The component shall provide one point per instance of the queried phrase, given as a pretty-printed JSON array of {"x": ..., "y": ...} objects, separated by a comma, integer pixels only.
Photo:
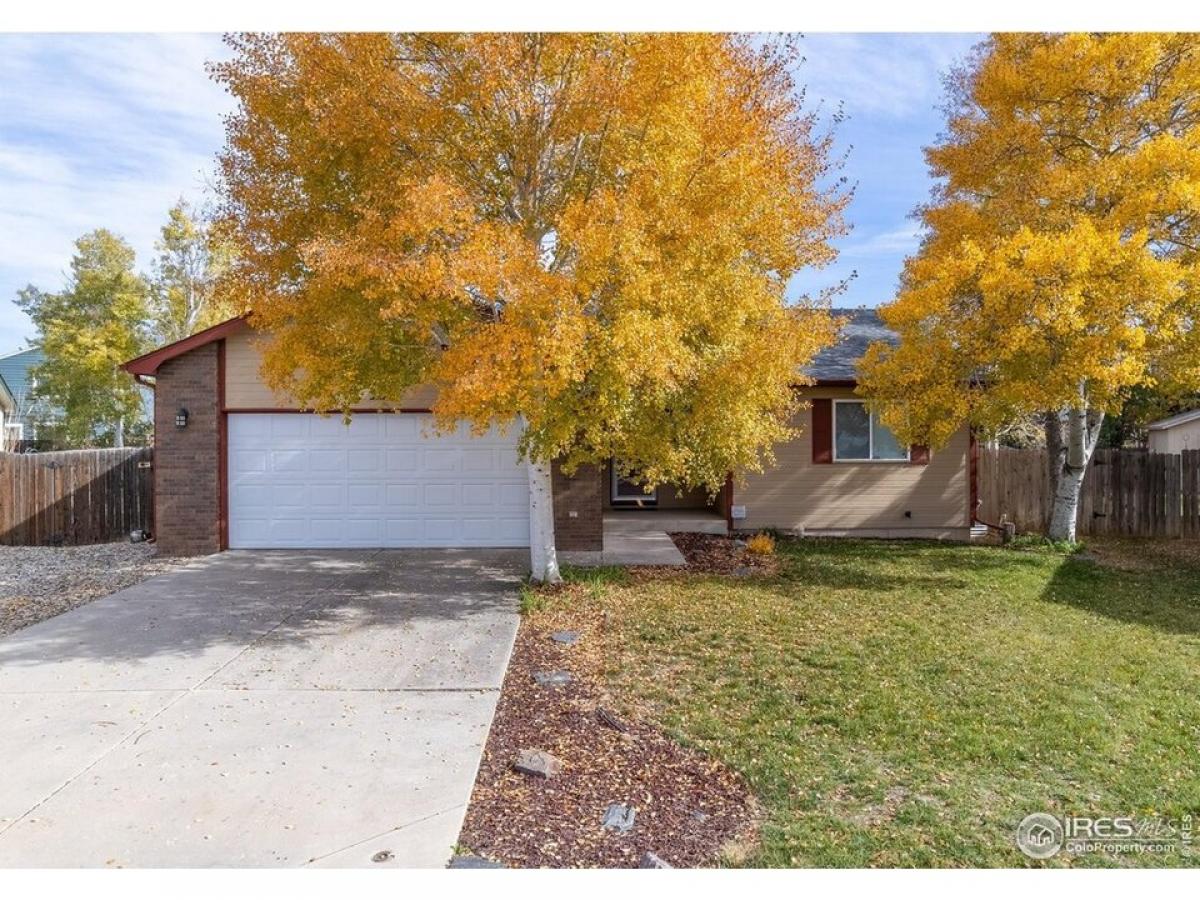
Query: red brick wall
[
  {"x": 187, "y": 461},
  {"x": 579, "y": 508}
]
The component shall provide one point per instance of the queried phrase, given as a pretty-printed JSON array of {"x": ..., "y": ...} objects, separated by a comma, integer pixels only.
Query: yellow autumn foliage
[
  {"x": 1060, "y": 266},
  {"x": 590, "y": 233}
]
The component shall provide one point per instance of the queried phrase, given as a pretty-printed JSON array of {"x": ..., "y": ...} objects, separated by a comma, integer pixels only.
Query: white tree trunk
[
  {"x": 543, "y": 557},
  {"x": 119, "y": 433},
  {"x": 1067, "y": 471}
]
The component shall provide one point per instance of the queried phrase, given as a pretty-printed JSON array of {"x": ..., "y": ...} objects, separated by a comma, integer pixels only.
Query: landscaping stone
[
  {"x": 556, "y": 678},
  {"x": 619, "y": 817},
  {"x": 565, "y": 637},
  {"x": 470, "y": 861},
  {"x": 538, "y": 762},
  {"x": 653, "y": 861}
]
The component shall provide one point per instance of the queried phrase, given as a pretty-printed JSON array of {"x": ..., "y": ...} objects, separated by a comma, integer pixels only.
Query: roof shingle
[{"x": 839, "y": 362}]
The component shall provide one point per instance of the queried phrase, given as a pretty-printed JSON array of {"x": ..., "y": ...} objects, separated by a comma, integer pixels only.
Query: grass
[{"x": 906, "y": 704}]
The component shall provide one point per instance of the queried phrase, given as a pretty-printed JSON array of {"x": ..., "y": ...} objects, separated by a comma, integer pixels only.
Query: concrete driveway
[{"x": 258, "y": 709}]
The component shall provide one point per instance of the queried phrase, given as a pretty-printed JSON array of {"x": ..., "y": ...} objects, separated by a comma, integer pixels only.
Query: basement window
[{"x": 859, "y": 437}]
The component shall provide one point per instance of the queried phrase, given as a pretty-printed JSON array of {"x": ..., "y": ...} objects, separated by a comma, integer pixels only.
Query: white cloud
[
  {"x": 897, "y": 241},
  {"x": 98, "y": 131},
  {"x": 882, "y": 76}
]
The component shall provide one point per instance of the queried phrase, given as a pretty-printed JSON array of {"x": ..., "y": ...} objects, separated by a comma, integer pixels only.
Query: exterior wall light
[{"x": 181, "y": 418}]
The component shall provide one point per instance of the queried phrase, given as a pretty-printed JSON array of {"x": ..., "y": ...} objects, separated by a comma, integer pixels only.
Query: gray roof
[
  {"x": 1178, "y": 419},
  {"x": 839, "y": 362}
]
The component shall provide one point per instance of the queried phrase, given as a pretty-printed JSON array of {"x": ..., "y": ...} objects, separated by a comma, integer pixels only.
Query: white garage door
[{"x": 299, "y": 480}]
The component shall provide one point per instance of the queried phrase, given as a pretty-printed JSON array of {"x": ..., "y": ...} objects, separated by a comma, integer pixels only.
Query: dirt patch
[
  {"x": 37, "y": 583},
  {"x": 690, "y": 810},
  {"x": 720, "y": 555},
  {"x": 1143, "y": 554}
]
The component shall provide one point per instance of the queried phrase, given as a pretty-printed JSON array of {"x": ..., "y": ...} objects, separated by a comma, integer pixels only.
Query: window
[
  {"x": 632, "y": 490},
  {"x": 857, "y": 435}
]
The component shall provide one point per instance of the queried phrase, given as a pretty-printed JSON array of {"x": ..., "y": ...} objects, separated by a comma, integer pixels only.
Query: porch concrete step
[
  {"x": 641, "y": 521},
  {"x": 640, "y": 548}
]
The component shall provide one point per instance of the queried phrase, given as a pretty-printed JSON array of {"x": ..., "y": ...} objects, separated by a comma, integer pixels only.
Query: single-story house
[
  {"x": 1175, "y": 433},
  {"x": 10, "y": 432},
  {"x": 26, "y": 415},
  {"x": 238, "y": 467}
]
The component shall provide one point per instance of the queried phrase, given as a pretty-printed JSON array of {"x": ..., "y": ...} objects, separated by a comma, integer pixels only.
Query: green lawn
[{"x": 907, "y": 704}]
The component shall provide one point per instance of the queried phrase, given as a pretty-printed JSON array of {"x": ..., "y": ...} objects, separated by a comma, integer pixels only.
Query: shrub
[{"x": 761, "y": 545}]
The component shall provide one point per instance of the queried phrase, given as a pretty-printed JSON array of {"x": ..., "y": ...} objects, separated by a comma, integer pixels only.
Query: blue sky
[{"x": 109, "y": 130}]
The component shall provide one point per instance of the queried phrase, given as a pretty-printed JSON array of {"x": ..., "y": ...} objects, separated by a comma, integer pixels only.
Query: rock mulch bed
[
  {"x": 720, "y": 555},
  {"x": 681, "y": 807},
  {"x": 37, "y": 583}
]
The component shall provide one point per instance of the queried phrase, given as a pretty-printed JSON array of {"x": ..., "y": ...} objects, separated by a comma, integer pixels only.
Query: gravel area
[{"x": 38, "y": 583}]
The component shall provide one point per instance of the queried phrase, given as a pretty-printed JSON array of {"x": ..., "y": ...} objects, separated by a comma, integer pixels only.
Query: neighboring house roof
[
  {"x": 1179, "y": 419},
  {"x": 14, "y": 369},
  {"x": 839, "y": 362}
]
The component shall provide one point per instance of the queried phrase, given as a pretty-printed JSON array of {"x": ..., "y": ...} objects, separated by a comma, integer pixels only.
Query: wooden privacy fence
[
  {"x": 1129, "y": 492},
  {"x": 75, "y": 496}
]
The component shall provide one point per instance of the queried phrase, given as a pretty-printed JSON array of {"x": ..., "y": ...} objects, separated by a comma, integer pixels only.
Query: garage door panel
[
  {"x": 439, "y": 532},
  {"x": 403, "y": 496},
  {"x": 513, "y": 495},
  {"x": 440, "y": 459},
  {"x": 440, "y": 495},
  {"x": 363, "y": 496},
  {"x": 476, "y": 494},
  {"x": 247, "y": 461},
  {"x": 401, "y": 460},
  {"x": 361, "y": 461},
  {"x": 402, "y": 428},
  {"x": 326, "y": 530},
  {"x": 326, "y": 460},
  {"x": 290, "y": 495},
  {"x": 512, "y": 530},
  {"x": 402, "y": 532},
  {"x": 289, "y": 426},
  {"x": 288, "y": 461},
  {"x": 327, "y": 498},
  {"x": 290, "y": 531},
  {"x": 297, "y": 480}
]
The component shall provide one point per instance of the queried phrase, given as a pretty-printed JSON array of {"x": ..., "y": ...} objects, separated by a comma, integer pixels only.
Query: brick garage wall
[
  {"x": 579, "y": 508},
  {"x": 187, "y": 463}
]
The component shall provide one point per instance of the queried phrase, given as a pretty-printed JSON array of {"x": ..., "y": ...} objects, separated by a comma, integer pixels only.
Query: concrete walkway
[
  {"x": 642, "y": 537},
  {"x": 281, "y": 708}
]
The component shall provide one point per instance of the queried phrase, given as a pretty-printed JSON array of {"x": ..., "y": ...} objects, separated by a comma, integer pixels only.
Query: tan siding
[
  {"x": 244, "y": 387},
  {"x": 841, "y": 498},
  {"x": 1176, "y": 439}
]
